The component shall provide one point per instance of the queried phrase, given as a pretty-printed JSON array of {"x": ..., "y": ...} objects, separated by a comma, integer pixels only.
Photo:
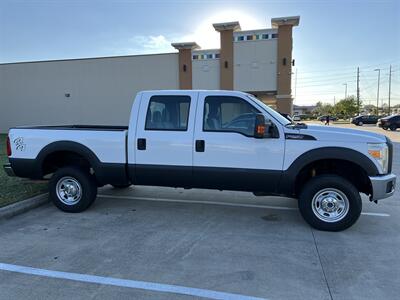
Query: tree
[
  {"x": 346, "y": 107},
  {"x": 323, "y": 108},
  {"x": 369, "y": 108}
]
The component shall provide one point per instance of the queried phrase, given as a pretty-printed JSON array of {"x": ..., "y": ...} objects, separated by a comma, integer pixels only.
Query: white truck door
[
  {"x": 164, "y": 138},
  {"x": 226, "y": 154}
]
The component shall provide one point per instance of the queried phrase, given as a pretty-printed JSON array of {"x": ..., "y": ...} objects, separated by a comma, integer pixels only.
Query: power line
[{"x": 353, "y": 67}]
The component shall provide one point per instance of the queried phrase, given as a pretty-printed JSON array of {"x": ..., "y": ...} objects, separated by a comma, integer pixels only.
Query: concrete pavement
[{"x": 246, "y": 246}]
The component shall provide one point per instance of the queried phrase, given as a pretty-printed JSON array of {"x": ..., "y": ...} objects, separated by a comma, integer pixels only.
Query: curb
[{"x": 14, "y": 209}]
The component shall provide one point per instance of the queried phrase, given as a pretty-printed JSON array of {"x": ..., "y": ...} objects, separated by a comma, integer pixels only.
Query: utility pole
[
  {"x": 358, "y": 90},
  {"x": 295, "y": 84},
  {"x": 377, "y": 94},
  {"x": 345, "y": 90},
  {"x": 334, "y": 100},
  {"x": 390, "y": 84}
]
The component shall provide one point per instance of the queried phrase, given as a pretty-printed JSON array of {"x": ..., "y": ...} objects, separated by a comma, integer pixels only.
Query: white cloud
[{"x": 203, "y": 34}]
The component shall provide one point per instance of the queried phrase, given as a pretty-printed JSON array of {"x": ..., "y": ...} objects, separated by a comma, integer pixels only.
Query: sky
[{"x": 332, "y": 40}]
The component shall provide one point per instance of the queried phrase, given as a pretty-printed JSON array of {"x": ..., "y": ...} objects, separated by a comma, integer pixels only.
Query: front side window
[
  {"x": 168, "y": 113},
  {"x": 230, "y": 114}
]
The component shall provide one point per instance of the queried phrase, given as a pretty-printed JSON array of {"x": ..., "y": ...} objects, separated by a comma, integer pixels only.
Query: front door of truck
[
  {"x": 226, "y": 155},
  {"x": 164, "y": 139}
]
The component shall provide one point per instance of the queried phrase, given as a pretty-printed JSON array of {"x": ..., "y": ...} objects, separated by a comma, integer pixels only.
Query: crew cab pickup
[{"x": 225, "y": 140}]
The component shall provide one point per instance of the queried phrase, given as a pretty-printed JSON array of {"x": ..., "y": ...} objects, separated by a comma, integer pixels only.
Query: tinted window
[
  {"x": 168, "y": 113},
  {"x": 232, "y": 114}
]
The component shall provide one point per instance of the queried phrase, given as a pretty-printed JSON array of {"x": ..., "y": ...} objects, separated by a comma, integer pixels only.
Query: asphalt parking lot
[
  {"x": 393, "y": 135},
  {"x": 161, "y": 243}
]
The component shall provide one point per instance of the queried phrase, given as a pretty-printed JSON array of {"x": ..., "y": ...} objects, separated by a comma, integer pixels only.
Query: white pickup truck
[{"x": 225, "y": 140}]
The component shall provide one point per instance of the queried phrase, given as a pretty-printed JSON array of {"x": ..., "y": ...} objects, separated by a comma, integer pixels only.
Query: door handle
[
  {"x": 200, "y": 145},
  {"x": 141, "y": 144}
]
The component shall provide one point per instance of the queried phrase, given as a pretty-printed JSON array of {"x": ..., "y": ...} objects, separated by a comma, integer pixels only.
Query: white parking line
[
  {"x": 222, "y": 203},
  {"x": 375, "y": 214},
  {"x": 143, "y": 285}
]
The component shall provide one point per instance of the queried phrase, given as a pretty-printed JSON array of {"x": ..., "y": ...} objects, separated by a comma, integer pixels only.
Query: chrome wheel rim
[
  {"x": 330, "y": 205},
  {"x": 69, "y": 190}
]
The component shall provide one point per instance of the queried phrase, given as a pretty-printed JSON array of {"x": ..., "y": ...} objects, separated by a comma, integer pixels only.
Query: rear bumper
[
  {"x": 9, "y": 171},
  {"x": 382, "y": 186}
]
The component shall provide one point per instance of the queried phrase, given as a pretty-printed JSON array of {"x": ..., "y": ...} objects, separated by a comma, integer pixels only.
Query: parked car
[
  {"x": 224, "y": 140},
  {"x": 296, "y": 118},
  {"x": 323, "y": 118},
  {"x": 361, "y": 120},
  {"x": 391, "y": 122}
]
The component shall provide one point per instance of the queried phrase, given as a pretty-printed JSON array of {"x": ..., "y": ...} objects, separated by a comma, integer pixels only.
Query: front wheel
[
  {"x": 72, "y": 189},
  {"x": 330, "y": 203},
  {"x": 360, "y": 123},
  {"x": 393, "y": 127}
]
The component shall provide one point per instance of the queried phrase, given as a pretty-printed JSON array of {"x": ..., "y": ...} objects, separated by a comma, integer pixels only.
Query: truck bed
[{"x": 76, "y": 127}]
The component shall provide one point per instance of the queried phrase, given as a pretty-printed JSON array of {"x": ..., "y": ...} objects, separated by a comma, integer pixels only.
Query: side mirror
[{"x": 259, "y": 128}]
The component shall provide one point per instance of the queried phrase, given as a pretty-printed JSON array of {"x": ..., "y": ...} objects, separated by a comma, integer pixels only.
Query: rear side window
[
  {"x": 168, "y": 113},
  {"x": 230, "y": 114}
]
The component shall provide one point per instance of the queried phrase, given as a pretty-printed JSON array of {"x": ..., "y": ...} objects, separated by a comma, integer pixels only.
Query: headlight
[{"x": 380, "y": 153}]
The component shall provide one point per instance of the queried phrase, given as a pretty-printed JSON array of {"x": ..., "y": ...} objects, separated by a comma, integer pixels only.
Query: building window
[
  {"x": 264, "y": 36},
  {"x": 240, "y": 38},
  {"x": 274, "y": 35},
  {"x": 195, "y": 56},
  {"x": 249, "y": 37},
  {"x": 217, "y": 55},
  {"x": 209, "y": 56},
  {"x": 168, "y": 113}
]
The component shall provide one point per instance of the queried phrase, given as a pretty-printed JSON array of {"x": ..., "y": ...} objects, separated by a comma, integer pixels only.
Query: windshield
[{"x": 277, "y": 116}]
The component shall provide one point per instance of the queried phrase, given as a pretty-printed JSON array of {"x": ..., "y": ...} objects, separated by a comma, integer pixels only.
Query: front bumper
[
  {"x": 382, "y": 186},
  {"x": 9, "y": 171}
]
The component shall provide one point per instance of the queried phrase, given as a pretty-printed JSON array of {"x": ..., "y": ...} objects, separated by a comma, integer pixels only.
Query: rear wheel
[
  {"x": 360, "y": 123},
  {"x": 330, "y": 203},
  {"x": 393, "y": 127},
  {"x": 72, "y": 189}
]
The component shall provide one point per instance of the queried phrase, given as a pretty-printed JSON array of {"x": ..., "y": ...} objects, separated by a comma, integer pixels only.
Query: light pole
[
  {"x": 345, "y": 90},
  {"x": 377, "y": 94}
]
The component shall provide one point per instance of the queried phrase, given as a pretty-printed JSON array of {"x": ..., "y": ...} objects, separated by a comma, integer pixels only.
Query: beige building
[{"x": 101, "y": 90}]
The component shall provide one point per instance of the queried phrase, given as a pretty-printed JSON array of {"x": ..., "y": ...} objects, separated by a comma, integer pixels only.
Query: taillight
[{"x": 8, "y": 147}]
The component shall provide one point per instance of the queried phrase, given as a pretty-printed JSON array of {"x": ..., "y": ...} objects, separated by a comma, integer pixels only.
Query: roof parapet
[
  {"x": 294, "y": 21},
  {"x": 235, "y": 26},
  {"x": 185, "y": 45}
]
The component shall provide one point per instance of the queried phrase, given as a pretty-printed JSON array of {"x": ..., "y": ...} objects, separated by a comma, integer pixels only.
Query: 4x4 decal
[{"x": 19, "y": 144}]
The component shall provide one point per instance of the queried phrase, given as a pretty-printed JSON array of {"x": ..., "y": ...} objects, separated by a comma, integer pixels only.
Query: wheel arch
[
  {"x": 63, "y": 148},
  {"x": 343, "y": 160}
]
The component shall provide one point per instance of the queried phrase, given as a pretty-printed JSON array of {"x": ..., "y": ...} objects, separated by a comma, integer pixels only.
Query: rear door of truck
[{"x": 164, "y": 138}]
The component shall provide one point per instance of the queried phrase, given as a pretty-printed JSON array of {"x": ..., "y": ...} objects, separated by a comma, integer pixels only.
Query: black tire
[
  {"x": 393, "y": 127},
  {"x": 336, "y": 183},
  {"x": 88, "y": 189},
  {"x": 120, "y": 186},
  {"x": 360, "y": 123},
  {"x": 384, "y": 128}
]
